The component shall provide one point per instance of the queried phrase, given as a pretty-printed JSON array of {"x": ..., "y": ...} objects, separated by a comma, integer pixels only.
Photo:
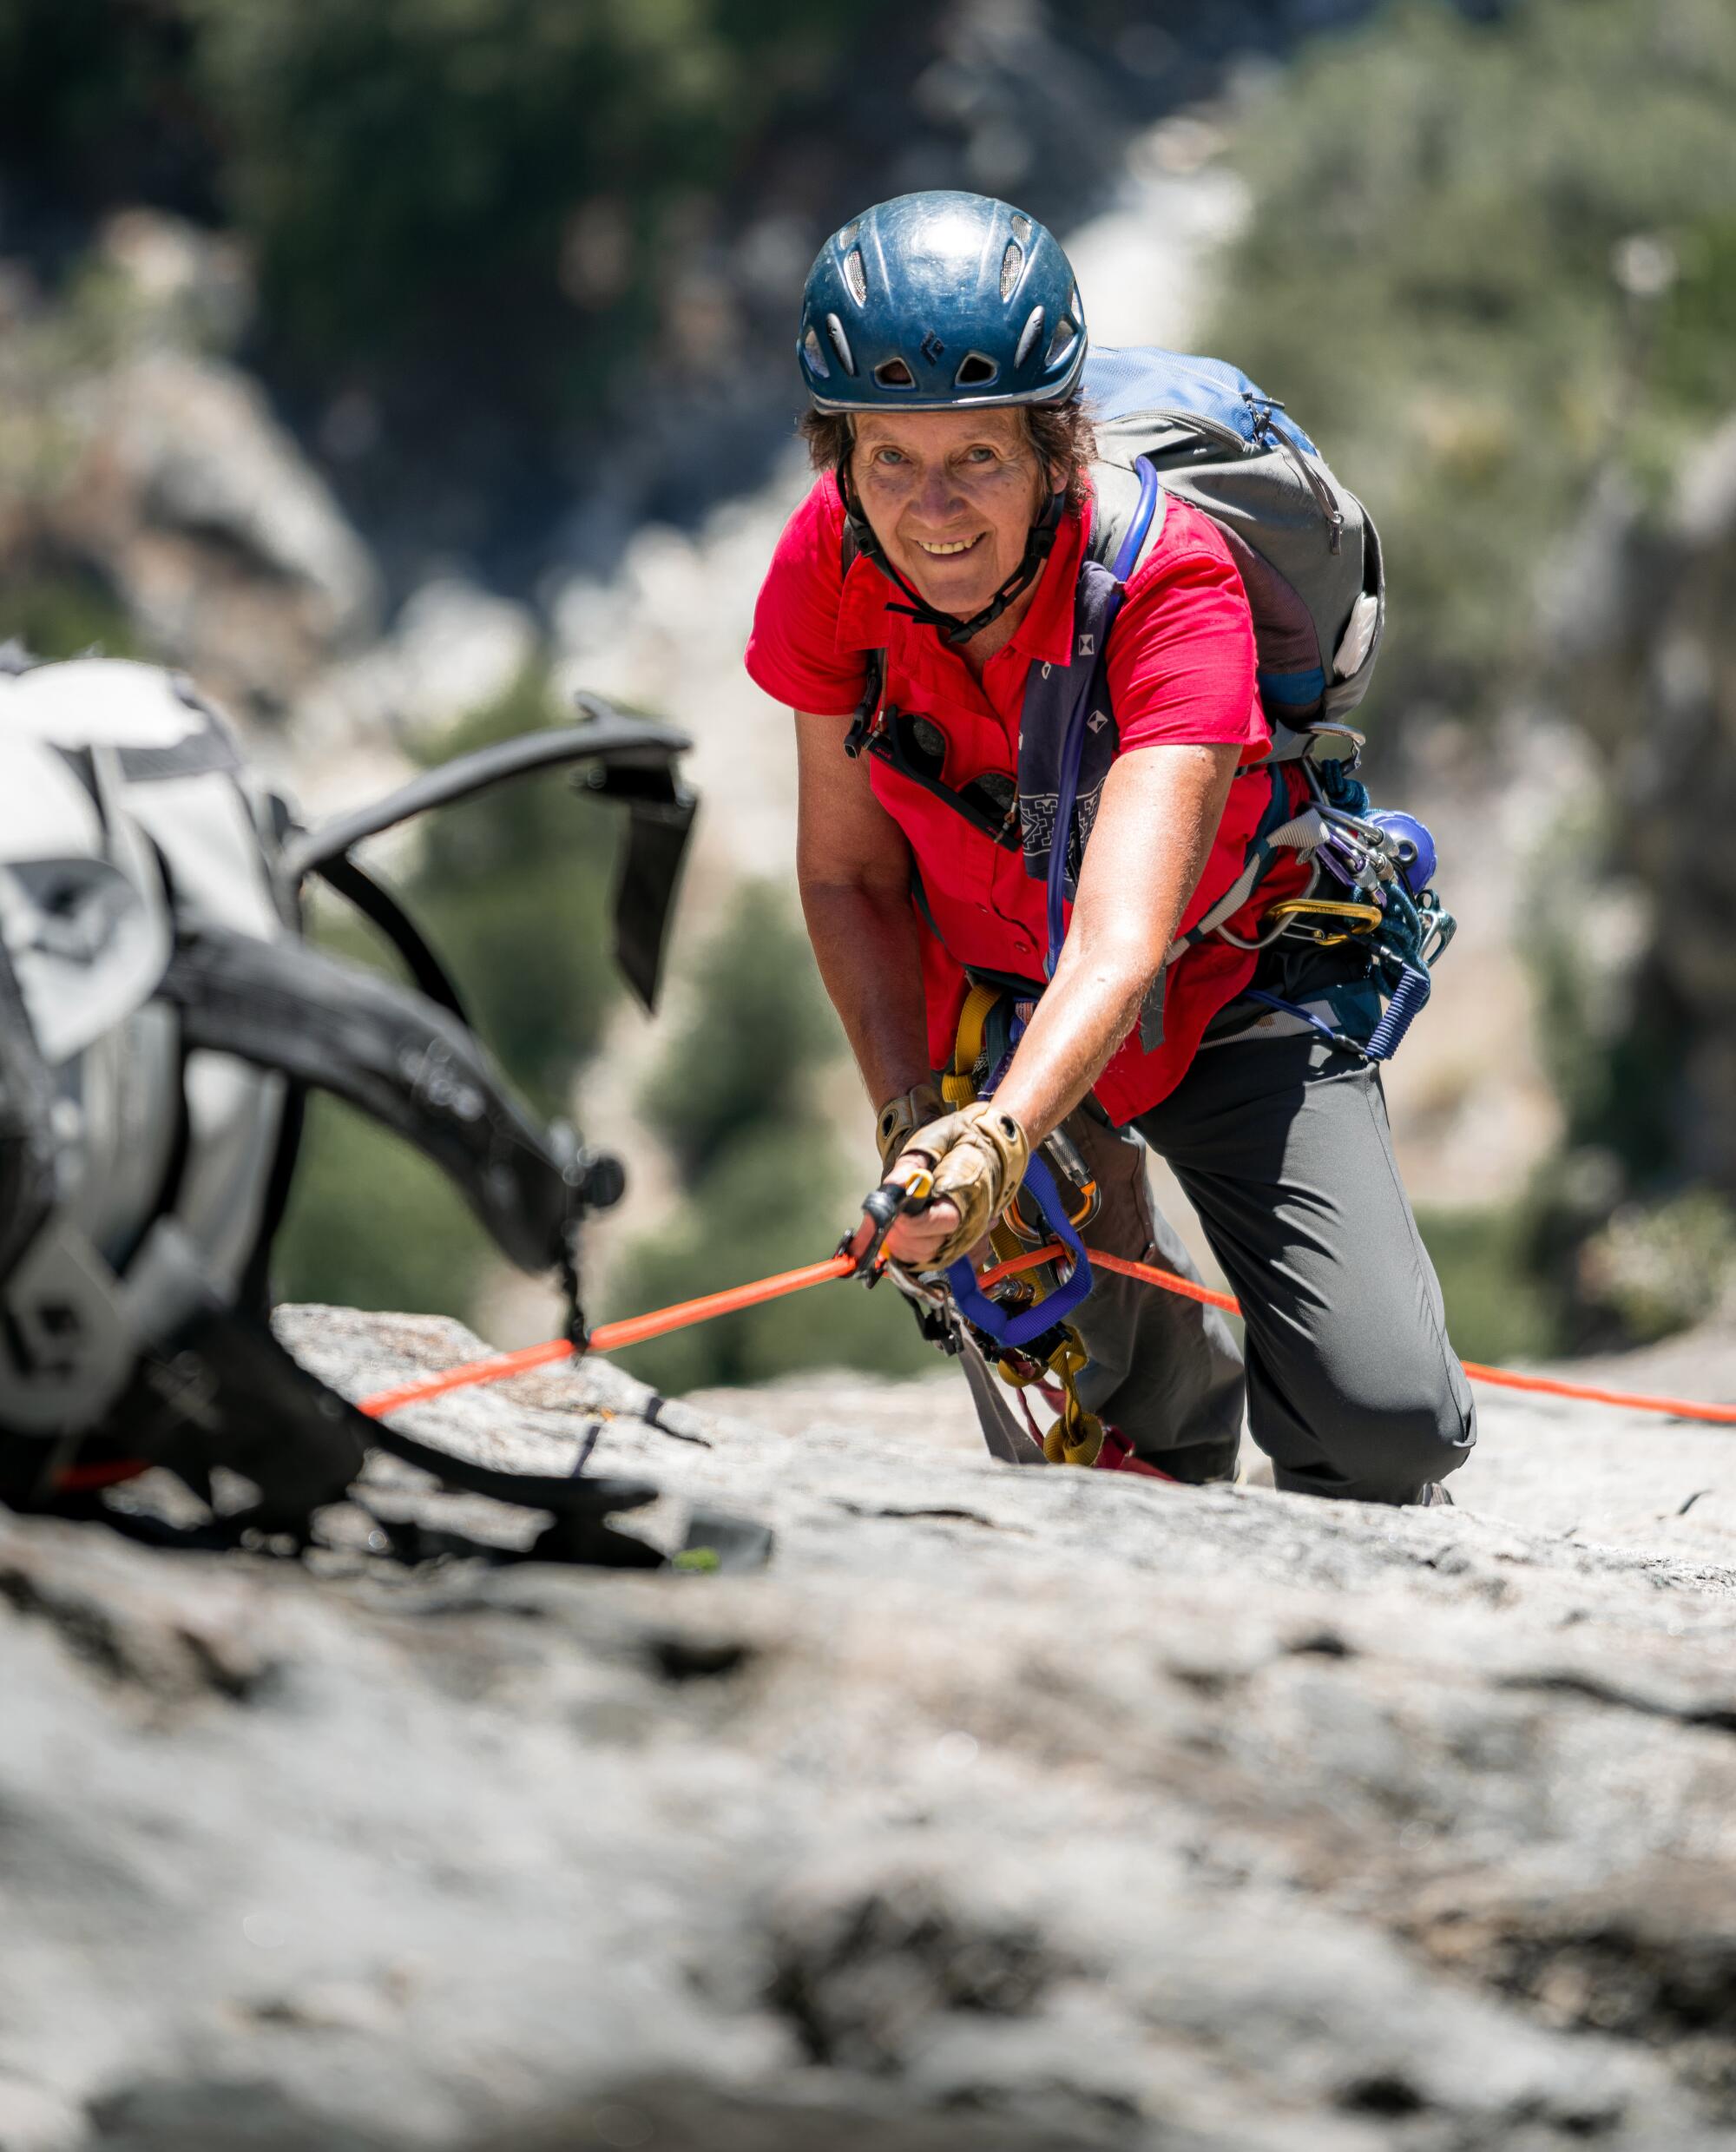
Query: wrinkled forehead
[{"x": 941, "y": 432}]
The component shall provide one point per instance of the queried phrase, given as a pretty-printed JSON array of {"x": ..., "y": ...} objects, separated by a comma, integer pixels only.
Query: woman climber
[{"x": 1039, "y": 791}]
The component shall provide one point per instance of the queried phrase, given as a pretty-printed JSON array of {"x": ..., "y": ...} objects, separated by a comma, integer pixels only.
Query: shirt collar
[{"x": 1044, "y": 635}]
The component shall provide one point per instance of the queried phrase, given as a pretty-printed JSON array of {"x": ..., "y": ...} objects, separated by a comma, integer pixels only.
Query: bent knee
[
  {"x": 1401, "y": 1444},
  {"x": 1385, "y": 1439}
]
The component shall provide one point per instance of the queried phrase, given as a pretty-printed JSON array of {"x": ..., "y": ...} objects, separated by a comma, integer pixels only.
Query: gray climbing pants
[{"x": 1282, "y": 1146}]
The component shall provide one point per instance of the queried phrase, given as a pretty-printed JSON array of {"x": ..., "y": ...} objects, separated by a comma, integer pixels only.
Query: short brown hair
[{"x": 1061, "y": 434}]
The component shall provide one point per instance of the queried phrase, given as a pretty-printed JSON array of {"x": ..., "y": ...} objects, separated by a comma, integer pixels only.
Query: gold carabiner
[{"x": 1357, "y": 919}]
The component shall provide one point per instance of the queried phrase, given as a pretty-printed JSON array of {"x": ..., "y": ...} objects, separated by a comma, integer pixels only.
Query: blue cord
[{"x": 1290, "y": 1008}]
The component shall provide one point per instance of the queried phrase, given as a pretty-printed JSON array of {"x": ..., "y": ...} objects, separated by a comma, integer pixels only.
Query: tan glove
[
  {"x": 979, "y": 1156},
  {"x": 900, "y": 1117}
]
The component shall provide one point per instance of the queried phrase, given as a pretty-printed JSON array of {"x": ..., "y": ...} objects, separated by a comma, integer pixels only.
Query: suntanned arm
[
  {"x": 853, "y": 871},
  {"x": 1161, "y": 810}
]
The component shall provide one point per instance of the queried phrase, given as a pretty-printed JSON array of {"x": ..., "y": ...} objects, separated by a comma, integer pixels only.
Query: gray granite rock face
[{"x": 1005, "y": 1811}]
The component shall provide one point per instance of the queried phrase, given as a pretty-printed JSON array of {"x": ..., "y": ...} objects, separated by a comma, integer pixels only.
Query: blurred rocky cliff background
[{"x": 394, "y": 368}]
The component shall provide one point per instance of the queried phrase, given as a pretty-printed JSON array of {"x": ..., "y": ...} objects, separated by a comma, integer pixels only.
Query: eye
[
  {"x": 889, "y": 456},
  {"x": 980, "y": 455}
]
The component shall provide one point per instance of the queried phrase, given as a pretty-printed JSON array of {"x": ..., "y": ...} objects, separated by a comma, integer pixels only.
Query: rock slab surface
[{"x": 1006, "y": 1809}]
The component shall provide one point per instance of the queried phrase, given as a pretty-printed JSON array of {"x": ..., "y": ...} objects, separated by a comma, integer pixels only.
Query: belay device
[{"x": 161, "y": 1019}]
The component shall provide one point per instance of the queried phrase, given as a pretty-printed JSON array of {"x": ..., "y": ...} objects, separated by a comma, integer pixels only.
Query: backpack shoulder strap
[
  {"x": 391, "y": 1052},
  {"x": 382, "y": 910},
  {"x": 864, "y": 724}
]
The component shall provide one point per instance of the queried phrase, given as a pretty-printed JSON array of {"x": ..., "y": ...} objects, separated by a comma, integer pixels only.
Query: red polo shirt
[{"x": 1181, "y": 669}]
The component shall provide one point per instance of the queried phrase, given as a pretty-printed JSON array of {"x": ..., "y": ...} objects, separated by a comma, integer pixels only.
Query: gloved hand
[
  {"x": 900, "y": 1117},
  {"x": 979, "y": 1155}
]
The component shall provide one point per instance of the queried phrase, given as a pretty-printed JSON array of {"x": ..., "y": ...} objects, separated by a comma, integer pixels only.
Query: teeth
[{"x": 960, "y": 545}]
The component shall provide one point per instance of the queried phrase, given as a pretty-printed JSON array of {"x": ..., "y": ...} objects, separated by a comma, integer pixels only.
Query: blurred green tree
[
  {"x": 1484, "y": 261},
  {"x": 64, "y": 613},
  {"x": 490, "y": 184},
  {"x": 1492, "y": 265},
  {"x": 99, "y": 104},
  {"x": 474, "y": 221},
  {"x": 769, "y": 1185}
]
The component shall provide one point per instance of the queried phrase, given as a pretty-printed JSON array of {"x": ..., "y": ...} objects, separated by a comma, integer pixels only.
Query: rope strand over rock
[{"x": 658, "y": 1322}]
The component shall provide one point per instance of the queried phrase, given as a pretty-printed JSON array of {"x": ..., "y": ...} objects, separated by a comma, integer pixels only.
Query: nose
[{"x": 937, "y": 495}]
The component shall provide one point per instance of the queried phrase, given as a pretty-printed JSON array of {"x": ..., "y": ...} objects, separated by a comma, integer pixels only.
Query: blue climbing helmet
[
  {"x": 939, "y": 300},
  {"x": 936, "y": 302}
]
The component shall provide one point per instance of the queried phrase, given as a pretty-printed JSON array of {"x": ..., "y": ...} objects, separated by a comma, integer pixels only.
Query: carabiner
[{"x": 1077, "y": 1186}]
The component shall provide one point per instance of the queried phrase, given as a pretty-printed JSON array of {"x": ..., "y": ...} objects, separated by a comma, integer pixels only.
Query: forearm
[
  {"x": 865, "y": 942},
  {"x": 1161, "y": 810},
  {"x": 1092, "y": 1004}
]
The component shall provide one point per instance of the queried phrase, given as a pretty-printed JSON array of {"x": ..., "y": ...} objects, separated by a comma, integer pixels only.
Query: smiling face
[{"x": 952, "y": 496}]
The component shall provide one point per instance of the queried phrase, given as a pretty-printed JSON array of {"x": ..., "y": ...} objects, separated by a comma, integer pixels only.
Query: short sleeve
[
  {"x": 1181, "y": 655},
  {"x": 792, "y": 653}
]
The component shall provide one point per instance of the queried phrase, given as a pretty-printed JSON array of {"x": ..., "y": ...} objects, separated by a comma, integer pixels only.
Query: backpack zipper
[
  {"x": 1324, "y": 497},
  {"x": 1265, "y": 433},
  {"x": 1197, "y": 421}
]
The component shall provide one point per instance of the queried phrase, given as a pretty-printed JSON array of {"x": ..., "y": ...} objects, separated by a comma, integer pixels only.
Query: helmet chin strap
[{"x": 954, "y": 632}]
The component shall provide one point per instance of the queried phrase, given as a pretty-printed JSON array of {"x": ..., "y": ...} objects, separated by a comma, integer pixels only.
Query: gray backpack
[
  {"x": 162, "y": 1018},
  {"x": 1306, "y": 549}
]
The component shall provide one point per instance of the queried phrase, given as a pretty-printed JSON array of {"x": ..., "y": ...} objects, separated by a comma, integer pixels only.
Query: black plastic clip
[{"x": 886, "y": 1205}]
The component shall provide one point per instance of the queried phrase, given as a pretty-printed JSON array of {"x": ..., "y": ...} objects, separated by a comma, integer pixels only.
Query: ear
[{"x": 1052, "y": 486}]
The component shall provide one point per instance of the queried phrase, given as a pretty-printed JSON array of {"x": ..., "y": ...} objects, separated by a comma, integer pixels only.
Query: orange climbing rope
[
  {"x": 1586, "y": 1394},
  {"x": 608, "y": 1337},
  {"x": 1167, "y": 1278},
  {"x": 636, "y": 1329},
  {"x": 1502, "y": 1377}
]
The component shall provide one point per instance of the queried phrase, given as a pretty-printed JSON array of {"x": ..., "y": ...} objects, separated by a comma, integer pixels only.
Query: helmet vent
[
  {"x": 1022, "y": 227},
  {"x": 1011, "y": 262},
  {"x": 1027, "y": 337},
  {"x": 974, "y": 372},
  {"x": 893, "y": 373},
  {"x": 840, "y": 343},
  {"x": 856, "y": 276},
  {"x": 1062, "y": 341},
  {"x": 815, "y": 356}
]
